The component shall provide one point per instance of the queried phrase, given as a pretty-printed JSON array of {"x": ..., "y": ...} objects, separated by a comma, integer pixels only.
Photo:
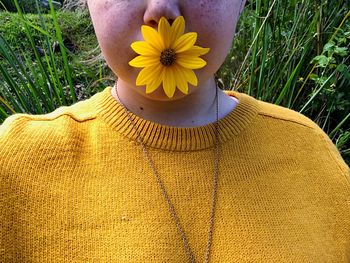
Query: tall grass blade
[{"x": 63, "y": 52}]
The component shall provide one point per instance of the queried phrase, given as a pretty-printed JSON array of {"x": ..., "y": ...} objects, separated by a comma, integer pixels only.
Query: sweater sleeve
[
  {"x": 9, "y": 126},
  {"x": 335, "y": 154},
  {"x": 11, "y": 132},
  {"x": 10, "y": 135},
  {"x": 5, "y": 216}
]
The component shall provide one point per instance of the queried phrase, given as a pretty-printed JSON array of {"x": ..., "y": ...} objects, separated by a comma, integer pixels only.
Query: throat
[
  {"x": 196, "y": 109},
  {"x": 184, "y": 117}
]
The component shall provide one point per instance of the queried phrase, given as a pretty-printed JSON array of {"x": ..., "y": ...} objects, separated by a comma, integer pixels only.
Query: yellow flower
[{"x": 167, "y": 57}]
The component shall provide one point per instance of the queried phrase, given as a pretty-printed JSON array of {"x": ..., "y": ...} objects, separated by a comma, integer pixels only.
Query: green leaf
[
  {"x": 341, "y": 51},
  {"x": 313, "y": 76},
  {"x": 329, "y": 47},
  {"x": 342, "y": 40},
  {"x": 342, "y": 68},
  {"x": 320, "y": 61}
]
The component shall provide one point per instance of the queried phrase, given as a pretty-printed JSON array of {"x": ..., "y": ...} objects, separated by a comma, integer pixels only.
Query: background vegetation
[{"x": 290, "y": 53}]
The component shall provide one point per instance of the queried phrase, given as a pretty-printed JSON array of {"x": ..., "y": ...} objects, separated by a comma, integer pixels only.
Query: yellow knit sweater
[{"x": 76, "y": 187}]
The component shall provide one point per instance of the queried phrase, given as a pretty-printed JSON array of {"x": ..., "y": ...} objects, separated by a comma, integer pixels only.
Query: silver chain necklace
[{"x": 171, "y": 207}]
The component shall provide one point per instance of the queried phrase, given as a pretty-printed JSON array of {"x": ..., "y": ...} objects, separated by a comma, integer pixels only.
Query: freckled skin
[{"x": 118, "y": 23}]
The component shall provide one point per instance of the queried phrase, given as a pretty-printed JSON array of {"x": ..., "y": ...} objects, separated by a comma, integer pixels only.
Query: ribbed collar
[{"x": 176, "y": 138}]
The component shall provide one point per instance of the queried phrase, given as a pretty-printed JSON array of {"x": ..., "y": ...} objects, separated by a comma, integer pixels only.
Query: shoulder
[
  {"x": 295, "y": 123},
  {"x": 279, "y": 113},
  {"x": 271, "y": 112},
  {"x": 289, "y": 137},
  {"x": 23, "y": 135},
  {"x": 22, "y": 123}
]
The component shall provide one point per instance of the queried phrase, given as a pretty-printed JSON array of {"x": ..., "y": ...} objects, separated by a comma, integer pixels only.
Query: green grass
[{"x": 38, "y": 72}]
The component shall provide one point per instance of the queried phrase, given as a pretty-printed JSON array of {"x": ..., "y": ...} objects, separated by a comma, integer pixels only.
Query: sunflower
[{"x": 168, "y": 57}]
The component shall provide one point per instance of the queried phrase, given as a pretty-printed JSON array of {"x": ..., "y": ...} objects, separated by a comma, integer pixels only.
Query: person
[{"x": 201, "y": 175}]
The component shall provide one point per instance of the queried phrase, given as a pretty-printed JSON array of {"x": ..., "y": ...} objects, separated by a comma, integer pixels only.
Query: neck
[{"x": 196, "y": 109}]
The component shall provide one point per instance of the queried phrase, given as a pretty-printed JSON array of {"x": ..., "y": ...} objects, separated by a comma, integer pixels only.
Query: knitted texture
[{"x": 75, "y": 186}]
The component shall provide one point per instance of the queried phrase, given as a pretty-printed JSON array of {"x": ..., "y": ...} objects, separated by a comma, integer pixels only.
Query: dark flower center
[{"x": 168, "y": 57}]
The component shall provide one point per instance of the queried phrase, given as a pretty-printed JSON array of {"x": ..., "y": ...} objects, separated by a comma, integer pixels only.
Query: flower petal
[
  {"x": 152, "y": 37},
  {"x": 164, "y": 31},
  {"x": 142, "y": 61},
  {"x": 148, "y": 74},
  {"x": 185, "y": 42},
  {"x": 143, "y": 48},
  {"x": 180, "y": 78},
  {"x": 177, "y": 29},
  {"x": 156, "y": 82},
  {"x": 196, "y": 51},
  {"x": 190, "y": 76},
  {"x": 190, "y": 62},
  {"x": 169, "y": 83}
]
